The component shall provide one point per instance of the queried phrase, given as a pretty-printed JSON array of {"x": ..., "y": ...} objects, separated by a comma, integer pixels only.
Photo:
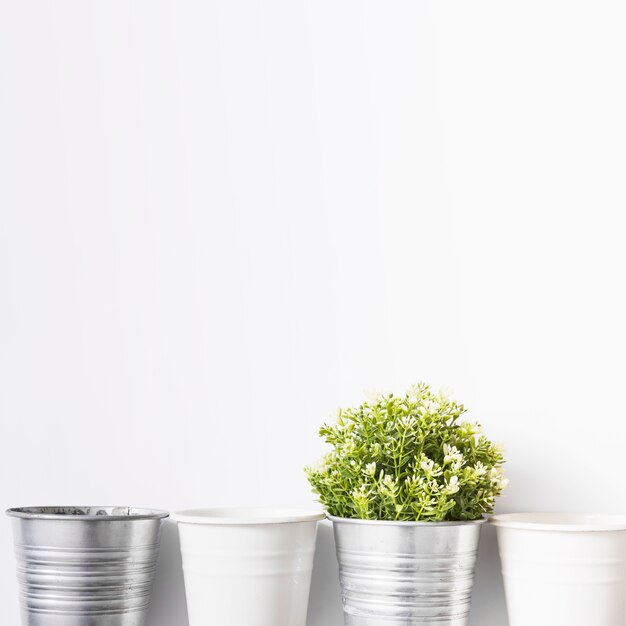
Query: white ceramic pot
[
  {"x": 563, "y": 569},
  {"x": 247, "y": 566}
]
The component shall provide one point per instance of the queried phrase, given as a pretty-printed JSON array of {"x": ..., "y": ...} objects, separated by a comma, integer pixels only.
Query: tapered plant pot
[
  {"x": 247, "y": 566},
  {"x": 85, "y": 566},
  {"x": 563, "y": 569},
  {"x": 406, "y": 573}
]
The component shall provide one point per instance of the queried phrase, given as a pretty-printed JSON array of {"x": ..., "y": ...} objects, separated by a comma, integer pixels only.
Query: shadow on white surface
[
  {"x": 325, "y": 601},
  {"x": 169, "y": 606},
  {"x": 488, "y": 605}
]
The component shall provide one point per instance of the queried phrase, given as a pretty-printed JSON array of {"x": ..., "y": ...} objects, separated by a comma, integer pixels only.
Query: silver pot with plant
[{"x": 407, "y": 484}]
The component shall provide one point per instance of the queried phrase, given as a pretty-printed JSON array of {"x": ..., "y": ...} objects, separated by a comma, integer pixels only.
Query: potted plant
[{"x": 406, "y": 485}]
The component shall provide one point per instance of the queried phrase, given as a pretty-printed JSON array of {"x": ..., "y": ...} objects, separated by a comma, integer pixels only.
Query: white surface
[
  {"x": 221, "y": 220},
  {"x": 245, "y": 515},
  {"x": 560, "y": 522},
  {"x": 571, "y": 577},
  {"x": 252, "y": 574}
]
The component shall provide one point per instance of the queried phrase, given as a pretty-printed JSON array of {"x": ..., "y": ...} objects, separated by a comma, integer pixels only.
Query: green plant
[{"x": 408, "y": 458}]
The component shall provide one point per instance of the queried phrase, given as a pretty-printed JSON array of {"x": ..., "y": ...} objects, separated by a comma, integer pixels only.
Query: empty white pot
[
  {"x": 247, "y": 566},
  {"x": 563, "y": 569}
]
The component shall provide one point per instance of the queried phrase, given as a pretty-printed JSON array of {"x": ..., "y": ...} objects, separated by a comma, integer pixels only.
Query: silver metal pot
[
  {"x": 406, "y": 573},
  {"x": 85, "y": 566}
]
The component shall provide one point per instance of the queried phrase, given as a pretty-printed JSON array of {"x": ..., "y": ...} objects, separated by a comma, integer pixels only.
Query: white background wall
[{"x": 221, "y": 220}]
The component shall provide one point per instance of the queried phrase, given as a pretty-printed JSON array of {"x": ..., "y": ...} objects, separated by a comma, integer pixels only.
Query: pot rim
[
  {"x": 385, "y": 522},
  {"x": 245, "y": 515},
  {"x": 104, "y": 513},
  {"x": 559, "y": 522}
]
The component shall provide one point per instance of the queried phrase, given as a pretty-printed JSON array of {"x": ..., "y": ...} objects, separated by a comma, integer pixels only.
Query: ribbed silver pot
[
  {"x": 85, "y": 566},
  {"x": 406, "y": 573}
]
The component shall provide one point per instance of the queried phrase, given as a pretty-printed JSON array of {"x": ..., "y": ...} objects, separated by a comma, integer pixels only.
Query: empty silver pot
[
  {"x": 406, "y": 573},
  {"x": 85, "y": 566}
]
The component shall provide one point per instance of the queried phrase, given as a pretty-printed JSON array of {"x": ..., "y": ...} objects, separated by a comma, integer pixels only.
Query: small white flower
[
  {"x": 373, "y": 396},
  {"x": 320, "y": 464},
  {"x": 452, "y": 486},
  {"x": 434, "y": 486},
  {"x": 361, "y": 497},
  {"x": 498, "y": 478},
  {"x": 370, "y": 469},
  {"x": 430, "y": 469},
  {"x": 452, "y": 455},
  {"x": 427, "y": 465},
  {"x": 349, "y": 447},
  {"x": 447, "y": 393},
  {"x": 471, "y": 428},
  {"x": 388, "y": 486},
  {"x": 480, "y": 469},
  {"x": 495, "y": 473},
  {"x": 389, "y": 481},
  {"x": 431, "y": 407},
  {"x": 413, "y": 393},
  {"x": 407, "y": 421}
]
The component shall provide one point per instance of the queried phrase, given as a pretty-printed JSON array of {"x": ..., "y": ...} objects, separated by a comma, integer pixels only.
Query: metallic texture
[
  {"x": 85, "y": 566},
  {"x": 406, "y": 573}
]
